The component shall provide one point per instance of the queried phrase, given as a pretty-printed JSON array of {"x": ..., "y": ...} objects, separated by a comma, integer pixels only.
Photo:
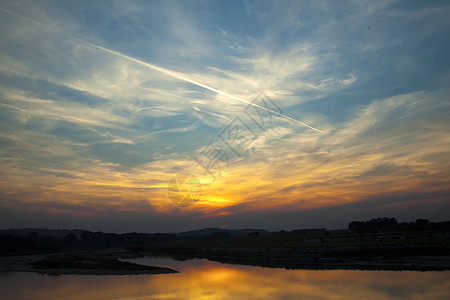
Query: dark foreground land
[
  {"x": 86, "y": 263},
  {"x": 377, "y": 244},
  {"x": 426, "y": 251}
]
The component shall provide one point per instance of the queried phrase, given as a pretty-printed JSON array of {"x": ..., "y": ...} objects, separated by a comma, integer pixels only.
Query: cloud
[
  {"x": 355, "y": 159},
  {"x": 87, "y": 122}
]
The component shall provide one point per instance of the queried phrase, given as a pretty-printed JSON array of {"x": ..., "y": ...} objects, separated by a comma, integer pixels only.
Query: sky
[{"x": 168, "y": 116}]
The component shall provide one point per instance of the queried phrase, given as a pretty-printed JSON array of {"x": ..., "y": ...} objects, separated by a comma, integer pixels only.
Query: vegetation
[
  {"x": 32, "y": 242},
  {"x": 377, "y": 239},
  {"x": 391, "y": 224},
  {"x": 80, "y": 261}
]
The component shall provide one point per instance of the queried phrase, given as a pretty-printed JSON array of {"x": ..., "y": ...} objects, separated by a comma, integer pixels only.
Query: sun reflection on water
[{"x": 202, "y": 279}]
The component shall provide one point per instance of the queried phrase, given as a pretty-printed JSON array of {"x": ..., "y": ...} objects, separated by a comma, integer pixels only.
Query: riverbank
[
  {"x": 412, "y": 251},
  {"x": 77, "y": 264},
  {"x": 411, "y": 263},
  {"x": 429, "y": 251}
]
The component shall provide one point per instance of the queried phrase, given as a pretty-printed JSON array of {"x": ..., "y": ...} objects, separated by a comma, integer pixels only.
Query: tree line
[
  {"x": 391, "y": 225},
  {"x": 32, "y": 242}
]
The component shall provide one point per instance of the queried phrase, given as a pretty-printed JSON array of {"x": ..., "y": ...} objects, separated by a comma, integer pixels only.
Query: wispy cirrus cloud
[{"x": 90, "y": 127}]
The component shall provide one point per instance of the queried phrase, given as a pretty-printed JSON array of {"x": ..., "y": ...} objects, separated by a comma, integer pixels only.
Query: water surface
[{"x": 202, "y": 279}]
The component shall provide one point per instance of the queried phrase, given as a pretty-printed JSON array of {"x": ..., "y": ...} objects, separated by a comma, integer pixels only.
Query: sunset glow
[{"x": 102, "y": 103}]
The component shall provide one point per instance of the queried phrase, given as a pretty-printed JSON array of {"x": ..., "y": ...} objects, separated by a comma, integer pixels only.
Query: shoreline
[
  {"x": 413, "y": 263},
  {"x": 422, "y": 263},
  {"x": 20, "y": 263}
]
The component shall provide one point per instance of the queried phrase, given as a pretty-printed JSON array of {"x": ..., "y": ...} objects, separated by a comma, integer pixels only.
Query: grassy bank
[
  {"x": 83, "y": 263},
  {"x": 389, "y": 251}
]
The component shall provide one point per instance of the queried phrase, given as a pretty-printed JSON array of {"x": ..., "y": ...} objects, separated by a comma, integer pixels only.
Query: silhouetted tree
[
  {"x": 374, "y": 225},
  {"x": 422, "y": 224},
  {"x": 70, "y": 239}
]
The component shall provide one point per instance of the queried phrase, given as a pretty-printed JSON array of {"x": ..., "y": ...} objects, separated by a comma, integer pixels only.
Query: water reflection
[{"x": 201, "y": 279}]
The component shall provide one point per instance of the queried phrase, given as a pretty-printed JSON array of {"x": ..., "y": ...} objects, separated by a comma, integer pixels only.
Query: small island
[
  {"x": 92, "y": 265},
  {"x": 98, "y": 262}
]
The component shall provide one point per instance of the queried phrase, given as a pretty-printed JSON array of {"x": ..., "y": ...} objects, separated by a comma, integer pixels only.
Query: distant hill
[
  {"x": 63, "y": 232},
  {"x": 42, "y": 232},
  {"x": 232, "y": 232}
]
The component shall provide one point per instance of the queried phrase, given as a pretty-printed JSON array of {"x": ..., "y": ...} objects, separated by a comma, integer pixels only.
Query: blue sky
[{"x": 90, "y": 135}]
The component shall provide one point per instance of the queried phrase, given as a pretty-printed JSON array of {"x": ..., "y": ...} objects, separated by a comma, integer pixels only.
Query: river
[{"x": 203, "y": 279}]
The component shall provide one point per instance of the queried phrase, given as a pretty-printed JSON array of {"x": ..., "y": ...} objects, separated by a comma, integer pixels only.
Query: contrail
[
  {"x": 169, "y": 72},
  {"x": 211, "y": 113},
  {"x": 194, "y": 82}
]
